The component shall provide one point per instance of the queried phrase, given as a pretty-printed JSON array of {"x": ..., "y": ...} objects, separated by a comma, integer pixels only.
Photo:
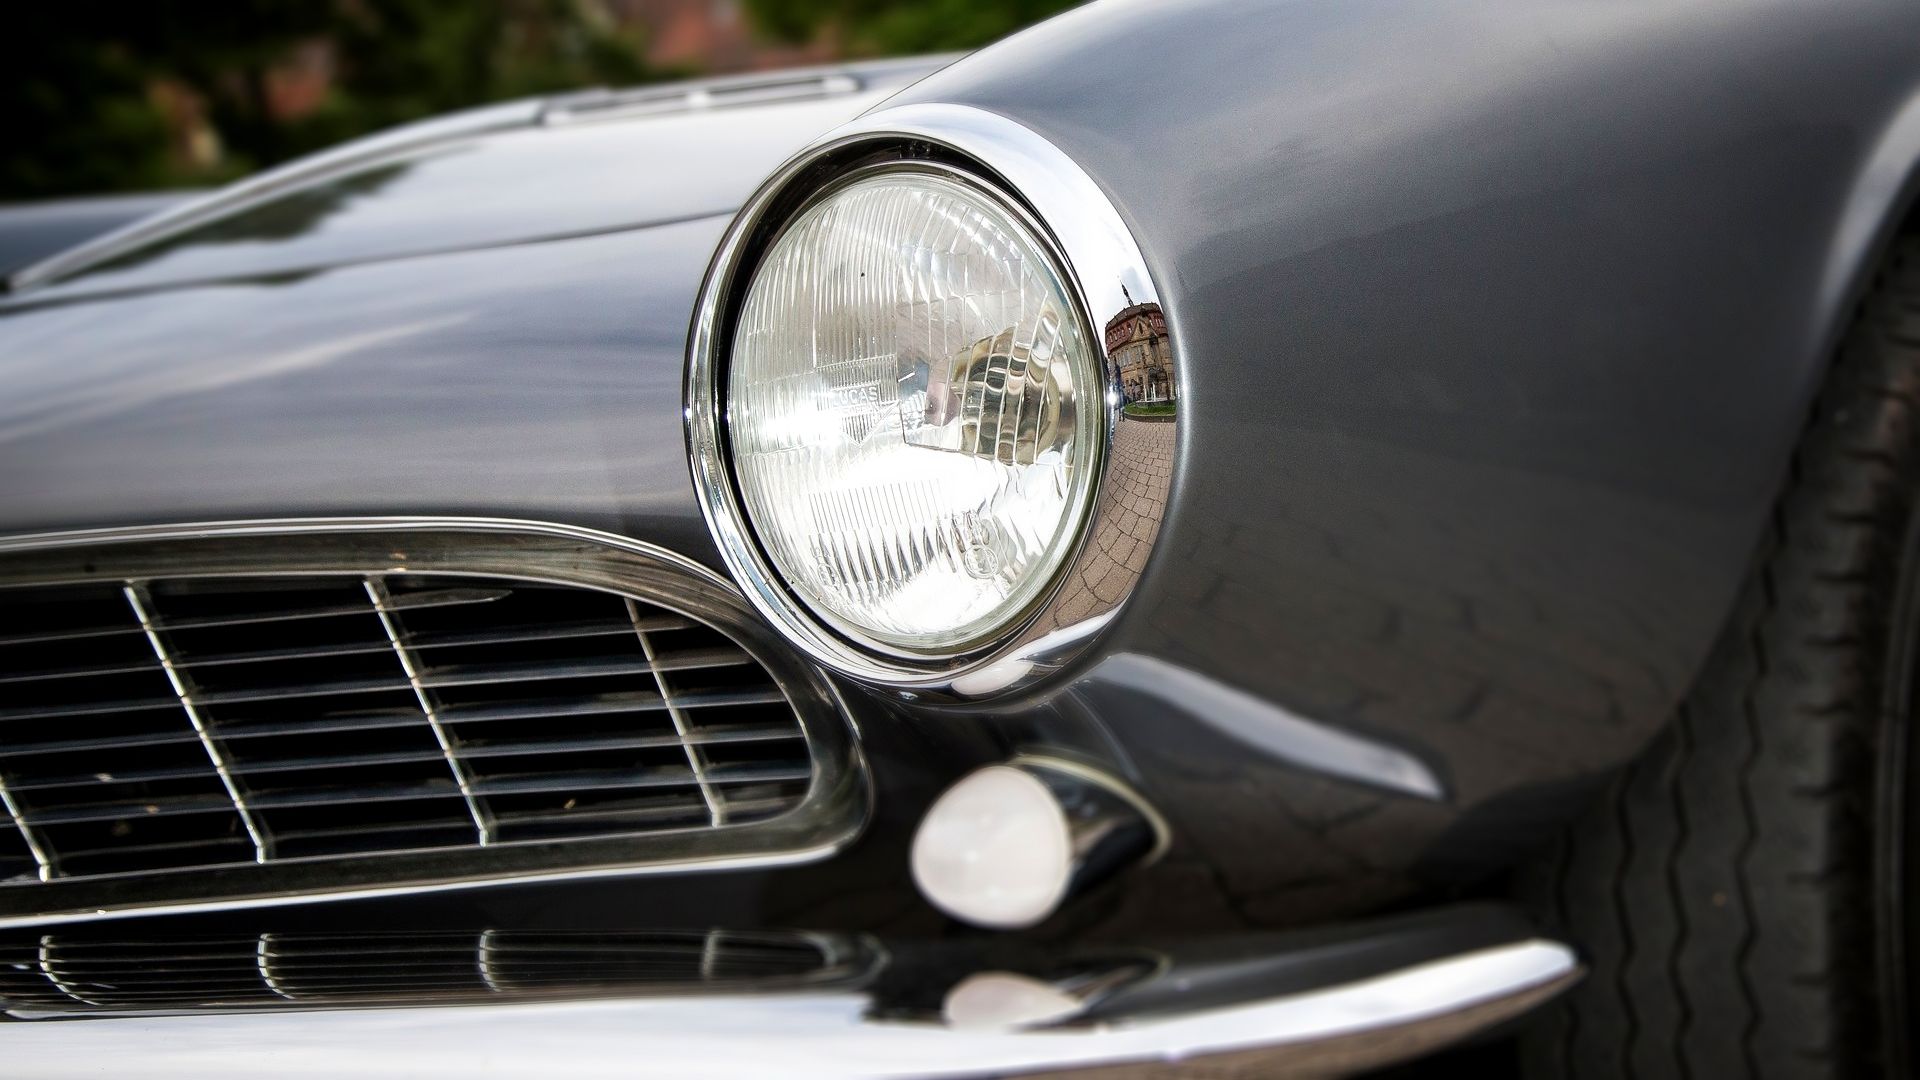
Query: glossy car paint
[
  {"x": 32, "y": 231},
  {"x": 1495, "y": 325}
]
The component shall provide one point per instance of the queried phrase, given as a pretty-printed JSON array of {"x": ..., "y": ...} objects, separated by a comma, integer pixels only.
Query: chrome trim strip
[
  {"x": 684, "y": 865},
  {"x": 716, "y": 812},
  {"x": 118, "y": 534},
  {"x": 831, "y": 815},
  {"x": 377, "y": 595},
  {"x": 484, "y": 959},
  {"x": 1156, "y": 822},
  {"x": 1112, "y": 285},
  {"x": 137, "y": 599},
  {"x": 46, "y": 968},
  {"x": 830, "y": 1031},
  {"x": 1272, "y": 729},
  {"x": 262, "y": 953},
  {"x": 27, "y": 835}
]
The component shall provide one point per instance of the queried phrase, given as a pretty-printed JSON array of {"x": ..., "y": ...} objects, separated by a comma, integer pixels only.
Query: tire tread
[{"x": 1722, "y": 885}]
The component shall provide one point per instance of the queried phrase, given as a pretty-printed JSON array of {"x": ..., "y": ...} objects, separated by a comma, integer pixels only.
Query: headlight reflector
[{"x": 914, "y": 410}]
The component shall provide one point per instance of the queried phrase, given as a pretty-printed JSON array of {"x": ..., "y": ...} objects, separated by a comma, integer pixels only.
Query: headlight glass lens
[{"x": 913, "y": 410}]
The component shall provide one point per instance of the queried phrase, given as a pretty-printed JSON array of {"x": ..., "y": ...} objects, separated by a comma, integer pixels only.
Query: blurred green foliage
[
  {"x": 894, "y": 27},
  {"x": 85, "y": 81},
  {"x": 101, "y": 96}
]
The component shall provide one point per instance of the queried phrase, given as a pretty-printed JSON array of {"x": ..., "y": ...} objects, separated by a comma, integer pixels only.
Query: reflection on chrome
[
  {"x": 1142, "y": 356},
  {"x": 1007, "y": 1001},
  {"x": 724, "y": 1003},
  {"x": 1021, "y": 1001},
  {"x": 1044, "y": 653},
  {"x": 55, "y": 975},
  {"x": 1268, "y": 727}
]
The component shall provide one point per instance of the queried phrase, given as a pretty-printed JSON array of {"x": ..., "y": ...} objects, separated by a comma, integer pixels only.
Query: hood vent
[{"x": 652, "y": 101}]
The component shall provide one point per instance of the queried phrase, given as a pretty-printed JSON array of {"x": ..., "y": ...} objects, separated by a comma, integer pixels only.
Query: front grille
[
  {"x": 194, "y": 721},
  {"x": 63, "y": 975}
]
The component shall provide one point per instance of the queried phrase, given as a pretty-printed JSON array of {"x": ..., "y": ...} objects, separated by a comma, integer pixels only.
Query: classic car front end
[{"x": 1109, "y": 551}]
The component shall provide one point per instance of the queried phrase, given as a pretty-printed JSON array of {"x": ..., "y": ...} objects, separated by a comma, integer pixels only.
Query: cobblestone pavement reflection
[{"x": 1138, "y": 471}]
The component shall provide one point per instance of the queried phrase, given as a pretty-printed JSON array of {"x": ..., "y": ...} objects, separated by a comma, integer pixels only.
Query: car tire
[{"x": 1737, "y": 892}]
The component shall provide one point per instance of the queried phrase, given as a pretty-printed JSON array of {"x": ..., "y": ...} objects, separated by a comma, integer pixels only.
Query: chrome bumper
[{"x": 1321, "y": 1003}]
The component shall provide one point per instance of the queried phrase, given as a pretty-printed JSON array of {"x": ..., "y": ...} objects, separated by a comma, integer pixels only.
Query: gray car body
[{"x": 1495, "y": 324}]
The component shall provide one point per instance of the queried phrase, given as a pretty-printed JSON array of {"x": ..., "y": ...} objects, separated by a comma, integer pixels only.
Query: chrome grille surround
[{"x": 394, "y": 574}]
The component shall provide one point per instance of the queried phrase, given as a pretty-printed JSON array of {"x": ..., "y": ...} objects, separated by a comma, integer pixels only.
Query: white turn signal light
[{"x": 1008, "y": 843}]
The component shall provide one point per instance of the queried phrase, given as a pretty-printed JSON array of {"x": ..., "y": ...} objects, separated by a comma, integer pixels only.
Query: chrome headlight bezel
[{"x": 1041, "y": 188}]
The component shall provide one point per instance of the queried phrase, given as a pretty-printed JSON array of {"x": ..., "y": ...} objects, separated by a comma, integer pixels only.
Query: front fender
[{"x": 1495, "y": 327}]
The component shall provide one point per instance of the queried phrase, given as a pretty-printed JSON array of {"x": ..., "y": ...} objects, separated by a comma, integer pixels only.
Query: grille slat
[
  {"x": 668, "y": 777},
  {"x": 228, "y": 733},
  {"x": 440, "y": 678},
  {"x": 335, "y": 688},
  {"x": 427, "y": 642},
  {"x": 445, "y": 598},
  {"x": 460, "y": 715},
  {"x": 523, "y": 748},
  {"x": 119, "y": 811},
  {"x": 185, "y": 722},
  {"x": 657, "y": 808},
  {"x": 612, "y": 703},
  {"x": 693, "y": 660},
  {"x": 66, "y": 712},
  {"x": 75, "y": 673},
  {"x": 202, "y": 843},
  {"x": 420, "y": 600}
]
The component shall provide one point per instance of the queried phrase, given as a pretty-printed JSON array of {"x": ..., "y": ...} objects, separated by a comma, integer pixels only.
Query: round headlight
[{"x": 914, "y": 409}]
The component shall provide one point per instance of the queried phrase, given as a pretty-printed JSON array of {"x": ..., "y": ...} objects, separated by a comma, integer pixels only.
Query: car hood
[
  {"x": 482, "y": 316},
  {"x": 572, "y": 165}
]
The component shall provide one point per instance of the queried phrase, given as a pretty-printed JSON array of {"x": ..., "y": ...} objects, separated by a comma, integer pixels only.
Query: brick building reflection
[
  {"x": 1139, "y": 470},
  {"x": 1137, "y": 341}
]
